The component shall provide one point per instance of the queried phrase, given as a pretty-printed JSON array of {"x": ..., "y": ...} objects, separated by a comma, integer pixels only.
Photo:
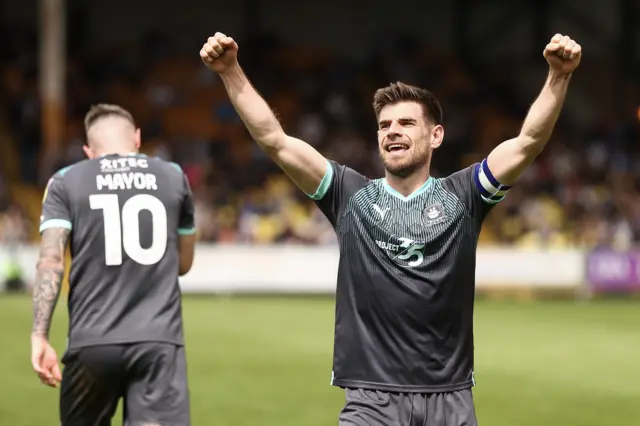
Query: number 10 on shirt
[{"x": 122, "y": 227}]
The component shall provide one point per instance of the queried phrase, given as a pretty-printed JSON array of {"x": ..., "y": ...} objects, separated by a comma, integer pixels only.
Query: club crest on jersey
[{"x": 434, "y": 214}]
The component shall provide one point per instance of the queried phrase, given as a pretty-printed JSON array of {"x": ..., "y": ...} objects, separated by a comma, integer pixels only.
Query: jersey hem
[
  {"x": 325, "y": 183},
  {"x": 55, "y": 223},
  {"x": 186, "y": 231},
  {"x": 492, "y": 200},
  {"x": 386, "y": 387},
  {"x": 87, "y": 343}
]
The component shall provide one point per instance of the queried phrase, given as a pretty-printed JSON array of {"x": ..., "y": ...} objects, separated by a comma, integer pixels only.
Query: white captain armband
[{"x": 491, "y": 190}]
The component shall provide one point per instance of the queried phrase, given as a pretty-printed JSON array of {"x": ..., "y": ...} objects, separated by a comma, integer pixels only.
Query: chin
[{"x": 400, "y": 169}]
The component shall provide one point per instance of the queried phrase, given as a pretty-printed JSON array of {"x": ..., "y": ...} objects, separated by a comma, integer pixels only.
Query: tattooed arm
[
  {"x": 50, "y": 270},
  {"x": 55, "y": 227}
]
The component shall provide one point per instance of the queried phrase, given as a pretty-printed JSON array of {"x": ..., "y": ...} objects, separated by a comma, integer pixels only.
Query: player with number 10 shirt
[
  {"x": 125, "y": 214},
  {"x": 130, "y": 220}
]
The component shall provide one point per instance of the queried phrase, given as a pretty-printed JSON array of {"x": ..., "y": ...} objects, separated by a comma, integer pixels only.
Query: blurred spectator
[
  {"x": 14, "y": 231},
  {"x": 14, "y": 227},
  {"x": 583, "y": 190}
]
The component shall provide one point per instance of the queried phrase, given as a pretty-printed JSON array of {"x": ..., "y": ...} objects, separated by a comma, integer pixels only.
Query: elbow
[
  {"x": 185, "y": 264},
  {"x": 184, "y": 270},
  {"x": 532, "y": 145},
  {"x": 55, "y": 265},
  {"x": 271, "y": 142},
  {"x": 187, "y": 253}
]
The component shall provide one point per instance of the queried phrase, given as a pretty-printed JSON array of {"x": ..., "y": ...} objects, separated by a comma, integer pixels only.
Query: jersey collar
[
  {"x": 425, "y": 186},
  {"x": 130, "y": 154}
]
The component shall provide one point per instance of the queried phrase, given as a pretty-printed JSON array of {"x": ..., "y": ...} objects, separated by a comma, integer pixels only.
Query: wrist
[
  {"x": 231, "y": 72},
  {"x": 40, "y": 335},
  {"x": 557, "y": 76}
]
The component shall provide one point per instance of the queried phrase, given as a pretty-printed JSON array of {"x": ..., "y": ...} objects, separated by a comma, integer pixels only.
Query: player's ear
[
  {"x": 87, "y": 151},
  {"x": 437, "y": 136},
  {"x": 138, "y": 138}
]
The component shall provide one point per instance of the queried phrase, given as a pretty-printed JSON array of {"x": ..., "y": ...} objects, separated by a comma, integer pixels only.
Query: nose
[{"x": 394, "y": 129}]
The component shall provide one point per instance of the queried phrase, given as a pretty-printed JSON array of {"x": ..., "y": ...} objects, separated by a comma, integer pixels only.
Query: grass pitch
[{"x": 267, "y": 361}]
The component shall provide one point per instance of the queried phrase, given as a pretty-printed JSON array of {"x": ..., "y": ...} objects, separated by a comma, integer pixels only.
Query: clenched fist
[
  {"x": 219, "y": 53},
  {"x": 563, "y": 54}
]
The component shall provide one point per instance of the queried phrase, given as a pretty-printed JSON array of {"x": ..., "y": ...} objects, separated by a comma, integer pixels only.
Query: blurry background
[{"x": 568, "y": 231}]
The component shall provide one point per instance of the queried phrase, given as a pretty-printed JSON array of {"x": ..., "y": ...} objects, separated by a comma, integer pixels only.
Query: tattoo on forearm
[{"x": 50, "y": 270}]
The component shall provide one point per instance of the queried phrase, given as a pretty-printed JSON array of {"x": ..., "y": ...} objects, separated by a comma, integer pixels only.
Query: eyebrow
[{"x": 401, "y": 120}]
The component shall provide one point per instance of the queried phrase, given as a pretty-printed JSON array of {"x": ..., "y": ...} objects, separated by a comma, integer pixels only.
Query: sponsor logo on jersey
[
  {"x": 403, "y": 251},
  {"x": 122, "y": 164}
]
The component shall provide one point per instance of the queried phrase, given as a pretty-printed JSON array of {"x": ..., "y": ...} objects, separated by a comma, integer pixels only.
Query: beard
[{"x": 403, "y": 167}]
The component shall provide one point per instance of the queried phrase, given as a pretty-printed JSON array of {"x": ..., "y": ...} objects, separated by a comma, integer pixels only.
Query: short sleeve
[
  {"x": 477, "y": 188},
  {"x": 186, "y": 223},
  {"x": 339, "y": 184},
  {"x": 56, "y": 211}
]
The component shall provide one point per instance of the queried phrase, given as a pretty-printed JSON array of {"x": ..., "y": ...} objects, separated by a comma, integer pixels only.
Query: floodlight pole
[{"x": 52, "y": 80}]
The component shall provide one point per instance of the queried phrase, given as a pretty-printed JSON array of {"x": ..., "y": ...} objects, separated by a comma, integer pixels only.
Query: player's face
[{"x": 405, "y": 138}]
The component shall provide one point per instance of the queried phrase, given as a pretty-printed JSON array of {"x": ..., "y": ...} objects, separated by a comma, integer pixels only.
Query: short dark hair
[
  {"x": 99, "y": 111},
  {"x": 402, "y": 92}
]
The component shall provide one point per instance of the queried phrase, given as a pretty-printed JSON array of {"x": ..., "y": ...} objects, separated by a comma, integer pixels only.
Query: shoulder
[
  {"x": 73, "y": 168},
  {"x": 464, "y": 175},
  {"x": 475, "y": 185},
  {"x": 342, "y": 173},
  {"x": 59, "y": 178},
  {"x": 169, "y": 167},
  {"x": 458, "y": 182},
  {"x": 339, "y": 180}
]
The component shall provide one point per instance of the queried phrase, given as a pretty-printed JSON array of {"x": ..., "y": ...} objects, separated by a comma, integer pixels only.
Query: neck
[
  {"x": 409, "y": 184},
  {"x": 120, "y": 151}
]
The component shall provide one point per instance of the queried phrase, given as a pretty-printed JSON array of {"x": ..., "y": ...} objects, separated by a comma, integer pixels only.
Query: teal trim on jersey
[
  {"x": 176, "y": 166},
  {"x": 416, "y": 193},
  {"x": 325, "y": 183},
  {"x": 492, "y": 201},
  {"x": 186, "y": 231},
  {"x": 64, "y": 170},
  {"x": 55, "y": 223}
]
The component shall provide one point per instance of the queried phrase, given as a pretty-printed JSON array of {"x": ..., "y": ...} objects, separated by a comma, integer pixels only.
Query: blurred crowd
[
  {"x": 583, "y": 191},
  {"x": 14, "y": 226}
]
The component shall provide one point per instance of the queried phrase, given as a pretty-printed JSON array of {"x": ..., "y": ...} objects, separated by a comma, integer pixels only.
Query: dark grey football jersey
[
  {"x": 406, "y": 278},
  {"x": 125, "y": 214}
]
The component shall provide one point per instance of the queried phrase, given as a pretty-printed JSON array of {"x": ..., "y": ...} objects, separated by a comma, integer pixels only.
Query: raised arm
[
  {"x": 511, "y": 158},
  {"x": 300, "y": 161}
]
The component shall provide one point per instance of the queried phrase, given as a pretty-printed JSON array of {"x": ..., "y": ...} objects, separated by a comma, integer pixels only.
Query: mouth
[{"x": 396, "y": 147}]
